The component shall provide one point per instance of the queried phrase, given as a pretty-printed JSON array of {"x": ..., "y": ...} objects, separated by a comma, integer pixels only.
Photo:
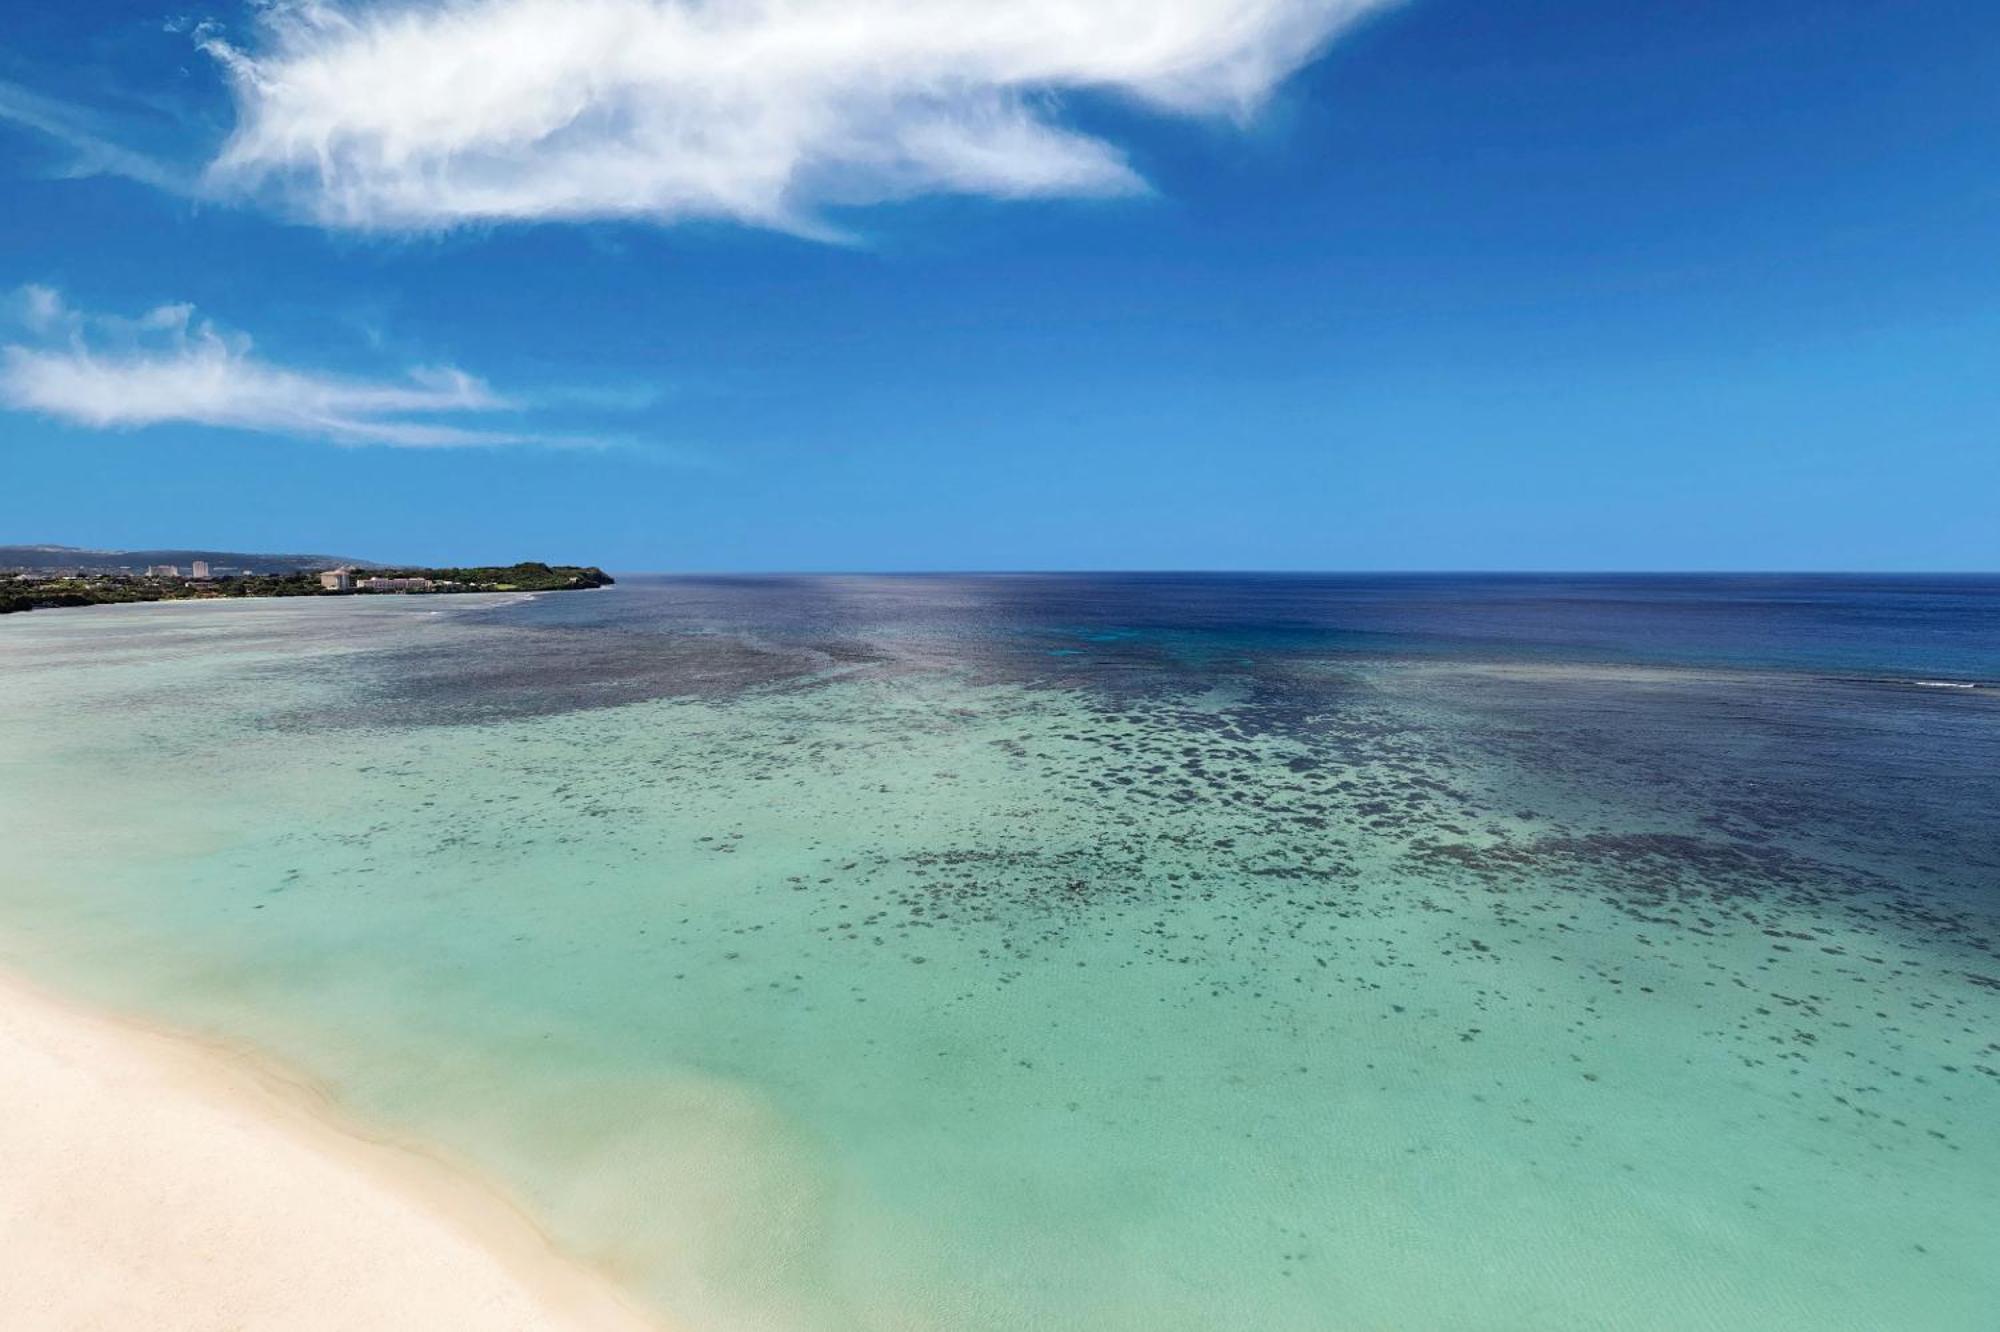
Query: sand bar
[{"x": 149, "y": 1180}]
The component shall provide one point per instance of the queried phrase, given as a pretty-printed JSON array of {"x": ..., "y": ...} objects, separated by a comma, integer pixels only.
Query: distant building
[
  {"x": 199, "y": 569},
  {"x": 395, "y": 585},
  {"x": 163, "y": 571},
  {"x": 337, "y": 580}
]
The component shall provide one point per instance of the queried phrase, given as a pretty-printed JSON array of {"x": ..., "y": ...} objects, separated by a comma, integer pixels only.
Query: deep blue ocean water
[{"x": 1909, "y": 627}]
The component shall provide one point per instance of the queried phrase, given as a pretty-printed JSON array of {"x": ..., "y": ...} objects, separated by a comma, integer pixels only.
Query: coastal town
[
  {"x": 343, "y": 580},
  {"x": 53, "y": 578},
  {"x": 330, "y": 580}
]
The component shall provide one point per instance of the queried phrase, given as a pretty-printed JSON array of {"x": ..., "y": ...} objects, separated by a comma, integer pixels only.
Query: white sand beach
[{"x": 151, "y": 1181}]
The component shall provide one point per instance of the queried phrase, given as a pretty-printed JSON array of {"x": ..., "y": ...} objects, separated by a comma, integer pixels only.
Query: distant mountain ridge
[{"x": 79, "y": 557}]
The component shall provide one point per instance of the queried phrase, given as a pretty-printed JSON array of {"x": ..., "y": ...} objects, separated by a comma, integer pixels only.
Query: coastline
[
  {"x": 523, "y": 593},
  {"x": 70, "y": 590},
  {"x": 157, "y": 1180}
]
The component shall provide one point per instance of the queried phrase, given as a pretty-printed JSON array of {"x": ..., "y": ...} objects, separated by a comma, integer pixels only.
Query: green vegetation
[
  {"x": 528, "y": 576},
  {"x": 111, "y": 589}
]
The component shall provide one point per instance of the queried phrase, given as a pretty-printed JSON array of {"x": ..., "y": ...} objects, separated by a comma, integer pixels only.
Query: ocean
[{"x": 1081, "y": 951}]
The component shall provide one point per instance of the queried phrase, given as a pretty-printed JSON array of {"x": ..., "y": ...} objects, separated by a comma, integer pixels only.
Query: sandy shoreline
[{"x": 150, "y": 1180}]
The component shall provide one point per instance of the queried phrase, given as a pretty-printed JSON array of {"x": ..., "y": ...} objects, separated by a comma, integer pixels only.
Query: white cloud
[
  {"x": 169, "y": 366},
  {"x": 92, "y": 151},
  {"x": 427, "y": 115}
]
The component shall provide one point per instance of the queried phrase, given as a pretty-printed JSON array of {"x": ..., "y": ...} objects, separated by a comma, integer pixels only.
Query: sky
[{"x": 944, "y": 284}]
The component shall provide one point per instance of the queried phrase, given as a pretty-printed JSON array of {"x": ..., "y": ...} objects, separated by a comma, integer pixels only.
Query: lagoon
[{"x": 1162, "y": 951}]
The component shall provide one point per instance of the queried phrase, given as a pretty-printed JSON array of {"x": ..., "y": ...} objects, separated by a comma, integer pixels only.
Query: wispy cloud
[
  {"x": 92, "y": 149},
  {"x": 167, "y": 365},
  {"x": 427, "y": 115}
]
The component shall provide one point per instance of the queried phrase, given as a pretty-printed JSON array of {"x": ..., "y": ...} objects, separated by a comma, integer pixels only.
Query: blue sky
[{"x": 1297, "y": 284}]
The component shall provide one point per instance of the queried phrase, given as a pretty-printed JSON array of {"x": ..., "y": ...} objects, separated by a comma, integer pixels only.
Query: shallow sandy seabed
[
  {"x": 1006, "y": 966},
  {"x": 156, "y": 1182}
]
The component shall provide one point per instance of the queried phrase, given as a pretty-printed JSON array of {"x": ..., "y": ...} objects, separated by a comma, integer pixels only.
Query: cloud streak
[
  {"x": 92, "y": 152},
  {"x": 168, "y": 366},
  {"x": 424, "y": 116}
]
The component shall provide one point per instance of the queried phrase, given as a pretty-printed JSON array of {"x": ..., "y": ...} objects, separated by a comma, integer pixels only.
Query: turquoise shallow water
[{"x": 963, "y": 953}]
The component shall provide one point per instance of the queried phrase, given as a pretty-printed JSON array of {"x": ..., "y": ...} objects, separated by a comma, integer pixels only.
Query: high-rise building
[
  {"x": 337, "y": 580},
  {"x": 199, "y": 569}
]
